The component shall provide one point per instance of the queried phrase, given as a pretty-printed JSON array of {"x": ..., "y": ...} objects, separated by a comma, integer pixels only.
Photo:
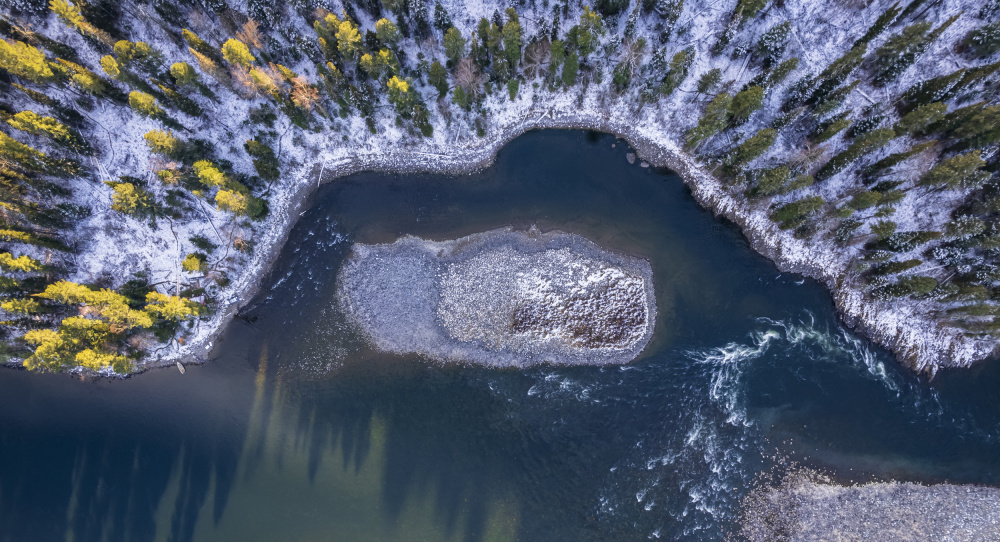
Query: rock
[
  {"x": 501, "y": 298},
  {"x": 630, "y": 157}
]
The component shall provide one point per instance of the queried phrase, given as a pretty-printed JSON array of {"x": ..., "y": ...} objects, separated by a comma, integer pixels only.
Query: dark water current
[{"x": 299, "y": 432}]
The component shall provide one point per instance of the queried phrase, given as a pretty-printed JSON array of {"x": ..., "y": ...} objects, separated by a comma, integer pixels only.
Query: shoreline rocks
[
  {"x": 807, "y": 506},
  {"x": 501, "y": 298}
]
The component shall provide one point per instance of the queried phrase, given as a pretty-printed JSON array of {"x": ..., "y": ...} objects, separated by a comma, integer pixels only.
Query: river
[{"x": 296, "y": 430}]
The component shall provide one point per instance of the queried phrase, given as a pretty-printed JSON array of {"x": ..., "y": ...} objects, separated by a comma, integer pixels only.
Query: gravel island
[{"x": 501, "y": 298}]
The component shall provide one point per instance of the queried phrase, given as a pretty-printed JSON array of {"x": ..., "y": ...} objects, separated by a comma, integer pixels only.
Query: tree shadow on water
[{"x": 100, "y": 460}]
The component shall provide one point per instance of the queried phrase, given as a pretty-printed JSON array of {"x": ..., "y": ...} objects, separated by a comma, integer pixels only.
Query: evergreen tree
[
  {"x": 669, "y": 11},
  {"x": 745, "y": 103},
  {"x": 977, "y": 125},
  {"x": 880, "y": 24},
  {"x": 570, "y": 68},
  {"x": 794, "y": 214},
  {"x": 834, "y": 75},
  {"x": 961, "y": 171},
  {"x": 711, "y": 122},
  {"x": 709, "y": 80},
  {"x": 893, "y": 159},
  {"x": 438, "y": 78},
  {"x": 678, "y": 72},
  {"x": 512, "y": 41},
  {"x": 771, "y": 181},
  {"x": 454, "y": 44},
  {"x": 827, "y": 130},
  {"x": 771, "y": 46},
  {"x": 460, "y": 98},
  {"x": 387, "y": 32},
  {"x": 920, "y": 118},
  {"x": 984, "y": 41},
  {"x": 750, "y": 149},
  {"x": 589, "y": 29},
  {"x": 902, "y": 50},
  {"x": 442, "y": 21},
  {"x": 864, "y": 144}
]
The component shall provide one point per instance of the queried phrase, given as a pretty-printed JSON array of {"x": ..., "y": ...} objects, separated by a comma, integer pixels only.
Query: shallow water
[{"x": 298, "y": 431}]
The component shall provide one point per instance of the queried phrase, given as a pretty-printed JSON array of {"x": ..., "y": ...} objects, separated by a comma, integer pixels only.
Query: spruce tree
[
  {"x": 570, "y": 68},
  {"x": 961, "y": 171},
  {"x": 442, "y": 21},
  {"x": 984, "y": 41},
  {"x": 920, "y": 118},
  {"x": 771, "y": 45},
  {"x": 880, "y": 24},
  {"x": 771, "y": 181}
]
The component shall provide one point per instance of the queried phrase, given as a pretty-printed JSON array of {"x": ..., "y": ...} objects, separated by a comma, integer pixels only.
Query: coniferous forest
[{"x": 145, "y": 145}]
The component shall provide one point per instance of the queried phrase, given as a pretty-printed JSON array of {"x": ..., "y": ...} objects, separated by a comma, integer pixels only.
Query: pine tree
[
  {"x": 771, "y": 181},
  {"x": 977, "y": 125},
  {"x": 570, "y": 68},
  {"x": 827, "y": 130},
  {"x": 454, "y": 44},
  {"x": 902, "y": 50},
  {"x": 25, "y": 61},
  {"x": 711, "y": 122},
  {"x": 745, "y": 103},
  {"x": 920, "y": 118},
  {"x": 864, "y": 144},
  {"x": 750, "y": 149},
  {"x": 893, "y": 159},
  {"x": 512, "y": 41},
  {"x": 678, "y": 72},
  {"x": 460, "y": 98},
  {"x": 438, "y": 78},
  {"x": 961, "y": 171},
  {"x": 794, "y": 214},
  {"x": 236, "y": 52}
]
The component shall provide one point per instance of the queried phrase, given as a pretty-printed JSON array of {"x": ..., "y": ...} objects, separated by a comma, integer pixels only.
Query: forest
[{"x": 175, "y": 127}]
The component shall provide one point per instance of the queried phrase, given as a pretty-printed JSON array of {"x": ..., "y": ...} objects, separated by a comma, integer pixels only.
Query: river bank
[{"x": 904, "y": 326}]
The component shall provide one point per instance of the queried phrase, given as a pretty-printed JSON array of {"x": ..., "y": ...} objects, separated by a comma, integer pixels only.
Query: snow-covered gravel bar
[{"x": 501, "y": 298}]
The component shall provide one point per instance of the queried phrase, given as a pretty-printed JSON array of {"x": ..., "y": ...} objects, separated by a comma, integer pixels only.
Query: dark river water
[{"x": 297, "y": 431}]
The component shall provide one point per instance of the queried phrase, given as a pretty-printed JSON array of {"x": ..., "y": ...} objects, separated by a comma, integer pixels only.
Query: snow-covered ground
[{"x": 113, "y": 248}]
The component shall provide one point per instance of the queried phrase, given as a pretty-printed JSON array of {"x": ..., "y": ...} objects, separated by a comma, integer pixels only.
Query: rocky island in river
[{"x": 501, "y": 298}]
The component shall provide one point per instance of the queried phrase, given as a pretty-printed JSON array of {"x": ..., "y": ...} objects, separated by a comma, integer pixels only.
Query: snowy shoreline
[{"x": 916, "y": 340}]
